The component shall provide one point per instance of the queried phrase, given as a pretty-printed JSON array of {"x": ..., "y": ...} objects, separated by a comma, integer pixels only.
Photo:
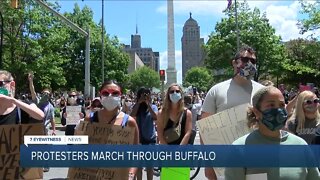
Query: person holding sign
[
  {"x": 174, "y": 124},
  {"x": 72, "y": 113},
  {"x": 11, "y": 109},
  {"x": 269, "y": 112},
  {"x": 232, "y": 92},
  {"x": 110, "y": 93}
]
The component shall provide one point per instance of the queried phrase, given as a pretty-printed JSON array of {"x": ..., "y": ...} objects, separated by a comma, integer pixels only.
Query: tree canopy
[
  {"x": 35, "y": 40},
  {"x": 255, "y": 31},
  {"x": 198, "y": 77},
  {"x": 144, "y": 77}
]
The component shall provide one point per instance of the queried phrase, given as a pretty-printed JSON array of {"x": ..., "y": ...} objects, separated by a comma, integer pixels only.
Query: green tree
[
  {"x": 312, "y": 11},
  {"x": 35, "y": 40},
  {"x": 144, "y": 77},
  {"x": 199, "y": 77},
  {"x": 256, "y": 32},
  {"x": 32, "y": 43},
  {"x": 303, "y": 62}
]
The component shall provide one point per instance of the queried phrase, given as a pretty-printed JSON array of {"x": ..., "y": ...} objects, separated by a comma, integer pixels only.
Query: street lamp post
[{"x": 102, "y": 42}]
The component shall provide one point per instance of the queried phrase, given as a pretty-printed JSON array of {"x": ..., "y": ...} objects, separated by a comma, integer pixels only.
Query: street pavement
[{"x": 61, "y": 173}]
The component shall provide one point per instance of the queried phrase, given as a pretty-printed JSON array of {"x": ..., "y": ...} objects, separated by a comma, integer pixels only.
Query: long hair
[
  {"x": 167, "y": 104},
  {"x": 298, "y": 114}
]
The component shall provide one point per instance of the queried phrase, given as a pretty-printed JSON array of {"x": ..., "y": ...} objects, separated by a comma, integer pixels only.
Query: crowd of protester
[{"x": 275, "y": 112}]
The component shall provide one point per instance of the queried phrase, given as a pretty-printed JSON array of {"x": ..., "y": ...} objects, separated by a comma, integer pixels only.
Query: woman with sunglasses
[
  {"x": 127, "y": 105},
  {"x": 110, "y": 94},
  {"x": 306, "y": 118},
  {"x": 172, "y": 114},
  {"x": 10, "y": 106}
]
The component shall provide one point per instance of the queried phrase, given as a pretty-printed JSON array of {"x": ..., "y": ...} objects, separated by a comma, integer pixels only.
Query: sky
[{"x": 121, "y": 17}]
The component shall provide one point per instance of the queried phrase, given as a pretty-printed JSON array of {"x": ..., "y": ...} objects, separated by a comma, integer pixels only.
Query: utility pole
[
  {"x": 102, "y": 42},
  {"x": 1, "y": 40},
  {"x": 237, "y": 26},
  {"x": 84, "y": 33}
]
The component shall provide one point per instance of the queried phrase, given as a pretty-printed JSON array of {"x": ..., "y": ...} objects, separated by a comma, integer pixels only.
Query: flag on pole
[{"x": 229, "y": 4}]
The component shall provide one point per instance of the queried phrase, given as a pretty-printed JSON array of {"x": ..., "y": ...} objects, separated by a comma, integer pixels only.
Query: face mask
[
  {"x": 4, "y": 91},
  {"x": 128, "y": 104},
  {"x": 110, "y": 102},
  {"x": 175, "y": 97},
  {"x": 311, "y": 108},
  {"x": 72, "y": 101},
  {"x": 44, "y": 98},
  {"x": 248, "y": 71},
  {"x": 275, "y": 118}
]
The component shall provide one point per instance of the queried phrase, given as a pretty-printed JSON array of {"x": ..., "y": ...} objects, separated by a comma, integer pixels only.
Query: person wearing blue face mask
[
  {"x": 174, "y": 114},
  {"x": 269, "y": 113}
]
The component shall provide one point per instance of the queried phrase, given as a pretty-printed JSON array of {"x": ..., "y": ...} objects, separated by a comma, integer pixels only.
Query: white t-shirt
[{"x": 228, "y": 94}]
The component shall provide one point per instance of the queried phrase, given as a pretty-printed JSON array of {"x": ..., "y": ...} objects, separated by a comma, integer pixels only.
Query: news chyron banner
[
  {"x": 11, "y": 136},
  {"x": 100, "y": 133}
]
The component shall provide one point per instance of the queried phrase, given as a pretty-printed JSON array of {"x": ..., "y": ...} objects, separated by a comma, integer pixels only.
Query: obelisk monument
[{"x": 171, "y": 71}]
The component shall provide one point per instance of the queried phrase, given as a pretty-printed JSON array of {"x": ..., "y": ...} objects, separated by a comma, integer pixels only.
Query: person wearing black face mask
[
  {"x": 270, "y": 115},
  {"x": 145, "y": 114}
]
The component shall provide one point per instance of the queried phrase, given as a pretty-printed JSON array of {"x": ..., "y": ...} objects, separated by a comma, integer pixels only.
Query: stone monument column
[{"x": 171, "y": 71}]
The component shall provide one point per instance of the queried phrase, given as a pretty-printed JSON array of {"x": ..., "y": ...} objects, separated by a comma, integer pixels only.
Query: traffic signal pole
[{"x": 84, "y": 33}]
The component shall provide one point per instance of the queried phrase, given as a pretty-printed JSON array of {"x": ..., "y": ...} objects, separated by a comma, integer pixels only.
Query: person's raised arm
[
  {"x": 31, "y": 109},
  {"x": 160, "y": 128},
  {"x": 31, "y": 88},
  {"x": 136, "y": 107}
]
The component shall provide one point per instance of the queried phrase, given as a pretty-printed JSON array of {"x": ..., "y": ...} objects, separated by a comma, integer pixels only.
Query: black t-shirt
[
  {"x": 13, "y": 118},
  {"x": 10, "y": 118}
]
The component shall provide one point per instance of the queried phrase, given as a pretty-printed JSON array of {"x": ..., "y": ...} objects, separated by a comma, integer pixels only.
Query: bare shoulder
[{"x": 132, "y": 122}]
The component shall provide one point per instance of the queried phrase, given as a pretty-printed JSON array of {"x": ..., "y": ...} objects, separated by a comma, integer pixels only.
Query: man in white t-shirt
[{"x": 232, "y": 92}]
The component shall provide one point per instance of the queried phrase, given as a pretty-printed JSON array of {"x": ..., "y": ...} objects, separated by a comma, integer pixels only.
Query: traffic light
[
  {"x": 14, "y": 4},
  {"x": 162, "y": 74}
]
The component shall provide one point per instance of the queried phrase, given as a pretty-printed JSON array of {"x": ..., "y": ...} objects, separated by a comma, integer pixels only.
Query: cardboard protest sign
[
  {"x": 178, "y": 173},
  {"x": 225, "y": 126},
  {"x": 99, "y": 133},
  {"x": 73, "y": 115},
  {"x": 11, "y": 136}
]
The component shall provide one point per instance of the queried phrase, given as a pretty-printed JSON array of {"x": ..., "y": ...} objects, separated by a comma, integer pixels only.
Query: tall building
[
  {"x": 147, "y": 56},
  {"x": 192, "y": 51},
  {"x": 171, "y": 71}
]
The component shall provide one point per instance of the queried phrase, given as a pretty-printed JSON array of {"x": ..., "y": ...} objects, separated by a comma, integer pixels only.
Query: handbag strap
[{"x": 180, "y": 118}]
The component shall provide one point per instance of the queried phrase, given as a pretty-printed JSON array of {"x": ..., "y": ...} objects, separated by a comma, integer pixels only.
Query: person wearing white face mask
[
  {"x": 127, "y": 105},
  {"x": 174, "y": 114},
  {"x": 110, "y": 93}
]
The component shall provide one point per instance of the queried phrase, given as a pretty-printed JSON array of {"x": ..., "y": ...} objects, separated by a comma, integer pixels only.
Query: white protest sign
[
  {"x": 73, "y": 115},
  {"x": 225, "y": 126}
]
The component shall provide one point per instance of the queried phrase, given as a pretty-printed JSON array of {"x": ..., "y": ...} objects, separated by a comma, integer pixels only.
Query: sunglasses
[
  {"x": 127, "y": 100},
  {"x": 72, "y": 95},
  {"x": 110, "y": 92},
  {"x": 315, "y": 101},
  {"x": 172, "y": 91},
  {"x": 2, "y": 83},
  {"x": 247, "y": 59}
]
